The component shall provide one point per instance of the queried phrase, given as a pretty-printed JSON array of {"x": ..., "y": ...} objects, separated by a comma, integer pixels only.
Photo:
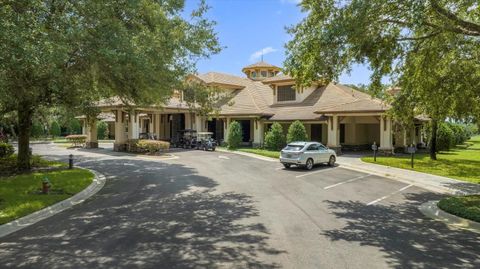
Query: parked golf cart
[
  {"x": 185, "y": 139},
  {"x": 205, "y": 141}
]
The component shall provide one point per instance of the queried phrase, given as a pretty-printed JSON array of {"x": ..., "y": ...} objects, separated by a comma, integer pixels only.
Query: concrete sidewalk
[{"x": 427, "y": 181}]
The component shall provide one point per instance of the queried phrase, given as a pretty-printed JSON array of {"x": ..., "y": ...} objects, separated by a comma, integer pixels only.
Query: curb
[
  {"x": 25, "y": 221},
  {"x": 252, "y": 155},
  {"x": 431, "y": 210}
]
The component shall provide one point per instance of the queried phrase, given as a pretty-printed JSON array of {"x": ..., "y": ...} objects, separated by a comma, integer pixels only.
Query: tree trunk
[
  {"x": 433, "y": 140},
  {"x": 24, "y": 126}
]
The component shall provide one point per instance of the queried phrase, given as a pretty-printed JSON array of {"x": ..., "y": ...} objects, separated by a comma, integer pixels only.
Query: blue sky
[{"x": 246, "y": 27}]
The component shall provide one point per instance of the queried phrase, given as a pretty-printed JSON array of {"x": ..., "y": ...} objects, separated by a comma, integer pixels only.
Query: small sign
[
  {"x": 374, "y": 147},
  {"x": 411, "y": 150}
]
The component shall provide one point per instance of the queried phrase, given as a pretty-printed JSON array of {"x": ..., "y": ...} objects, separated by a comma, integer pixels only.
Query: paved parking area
[{"x": 222, "y": 210}]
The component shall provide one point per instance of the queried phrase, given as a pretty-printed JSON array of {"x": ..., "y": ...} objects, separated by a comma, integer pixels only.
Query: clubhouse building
[{"x": 338, "y": 116}]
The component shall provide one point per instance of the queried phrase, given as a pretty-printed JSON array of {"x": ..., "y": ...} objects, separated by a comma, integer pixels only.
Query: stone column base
[
  {"x": 337, "y": 149},
  {"x": 385, "y": 151},
  {"x": 91, "y": 145},
  {"x": 119, "y": 147}
]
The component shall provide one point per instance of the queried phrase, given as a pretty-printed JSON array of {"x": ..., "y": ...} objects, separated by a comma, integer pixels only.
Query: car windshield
[{"x": 293, "y": 147}]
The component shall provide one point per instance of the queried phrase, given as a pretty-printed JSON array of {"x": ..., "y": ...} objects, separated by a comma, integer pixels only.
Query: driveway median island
[{"x": 23, "y": 193}]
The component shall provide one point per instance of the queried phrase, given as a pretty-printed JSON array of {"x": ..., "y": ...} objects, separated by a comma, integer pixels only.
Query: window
[
  {"x": 312, "y": 147},
  {"x": 254, "y": 74},
  {"x": 285, "y": 93},
  {"x": 264, "y": 73}
]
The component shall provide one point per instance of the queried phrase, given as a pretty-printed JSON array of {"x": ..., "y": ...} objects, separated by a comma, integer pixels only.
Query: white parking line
[
  {"x": 314, "y": 172},
  {"x": 279, "y": 168},
  {"x": 223, "y": 157},
  {"x": 346, "y": 181},
  {"x": 386, "y": 196}
]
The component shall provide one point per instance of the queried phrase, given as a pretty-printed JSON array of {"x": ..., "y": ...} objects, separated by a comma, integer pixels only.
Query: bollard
[{"x": 70, "y": 161}]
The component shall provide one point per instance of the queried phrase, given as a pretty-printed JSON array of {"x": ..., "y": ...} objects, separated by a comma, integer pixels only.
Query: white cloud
[
  {"x": 258, "y": 54},
  {"x": 291, "y": 1}
]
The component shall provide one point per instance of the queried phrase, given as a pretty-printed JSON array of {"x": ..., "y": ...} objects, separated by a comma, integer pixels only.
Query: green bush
[
  {"x": 463, "y": 206},
  {"x": 461, "y": 133},
  {"x": 55, "y": 129},
  {"x": 76, "y": 140},
  {"x": 296, "y": 132},
  {"x": 445, "y": 137},
  {"x": 37, "y": 130},
  {"x": 234, "y": 137},
  {"x": 6, "y": 150},
  {"x": 102, "y": 130},
  {"x": 152, "y": 146},
  {"x": 275, "y": 139},
  {"x": 74, "y": 127}
]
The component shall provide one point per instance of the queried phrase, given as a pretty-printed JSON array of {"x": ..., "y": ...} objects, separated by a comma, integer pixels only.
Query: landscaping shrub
[
  {"x": 37, "y": 130},
  {"x": 445, "y": 137},
  {"x": 73, "y": 126},
  {"x": 76, "y": 140},
  {"x": 463, "y": 206},
  {"x": 102, "y": 130},
  {"x": 460, "y": 133},
  {"x": 6, "y": 150},
  {"x": 234, "y": 137},
  {"x": 275, "y": 139},
  {"x": 55, "y": 129},
  {"x": 152, "y": 146},
  {"x": 296, "y": 132}
]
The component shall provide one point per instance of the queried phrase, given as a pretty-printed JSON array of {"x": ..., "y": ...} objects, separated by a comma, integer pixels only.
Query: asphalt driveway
[{"x": 221, "y": 210}]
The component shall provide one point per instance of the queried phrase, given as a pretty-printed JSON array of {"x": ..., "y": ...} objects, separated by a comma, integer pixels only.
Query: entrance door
[
  {"x": 245, "y": 130},
  {"x": 316, "y": 132}
]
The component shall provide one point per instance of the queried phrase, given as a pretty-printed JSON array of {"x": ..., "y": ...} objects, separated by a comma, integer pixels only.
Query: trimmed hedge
[
  {"x": 296, "y": 132},
  {"x": 234, "y": 137},
  {"x": 445, "y": 137},
  {"x": 146, "y": 145},
  {"x": 6, "y": 150},
  {"x": 467, "y": 207},
  {"x": 275, "y": 139},
  {"x": 76, "y": 140}
]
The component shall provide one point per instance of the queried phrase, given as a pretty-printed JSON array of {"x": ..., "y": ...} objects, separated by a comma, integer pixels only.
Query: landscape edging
[
  {"x": 25, "y": 221},
  {"x": 431, "y": 210}
]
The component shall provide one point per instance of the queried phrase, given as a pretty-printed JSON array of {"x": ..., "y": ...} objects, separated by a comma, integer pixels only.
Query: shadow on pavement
[
  {"x": 148, "y": 215},
  {"x": 408, "y": 239}
]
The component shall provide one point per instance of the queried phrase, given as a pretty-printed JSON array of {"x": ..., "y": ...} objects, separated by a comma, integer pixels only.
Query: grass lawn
[
  {"x": 463, "y": 206},
  {"x": 8, "y": 165},
  {"x": 262, "y": 152},
  {"x": 20, "y": 194},
  {"x": 461, "y": 163}
]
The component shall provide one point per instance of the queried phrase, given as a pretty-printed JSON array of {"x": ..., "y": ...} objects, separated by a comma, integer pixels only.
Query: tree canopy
[
  {"x": 430, "y": 50},
  {"x": 75, "y": 52}
]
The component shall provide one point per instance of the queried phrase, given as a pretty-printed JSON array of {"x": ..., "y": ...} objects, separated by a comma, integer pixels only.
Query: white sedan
[{"x": 307, "y": 154}]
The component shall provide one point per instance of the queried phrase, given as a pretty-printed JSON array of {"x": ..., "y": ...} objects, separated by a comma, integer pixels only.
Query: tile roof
[
  {"x": 277, "y": 78},
  {"x": 261, "y": 64},
  {"x": 222, "y": 78}
]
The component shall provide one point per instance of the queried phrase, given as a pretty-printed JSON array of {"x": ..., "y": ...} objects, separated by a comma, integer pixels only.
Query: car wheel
[
  {"x": 287, "y": 165},
  {"x": 331, "y": 161},
  {"x": 213, "y": 149},
  {"x": 309, "y": 164}
]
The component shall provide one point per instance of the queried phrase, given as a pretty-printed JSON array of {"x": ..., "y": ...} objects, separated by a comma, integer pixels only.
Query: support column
[
  {"x": 226, "y": 124},
  {"x": 133, "y": 129},
  {"x": 91, "y": 131},
  {"x": 188, "y": 120},
  {"x": 120, "y": 137},
  {"x": 199, "y": 123},
  {"x": 386, "y": 135},
  {"x": 333, "y": 134},
  {"x": 258, "y": 133},
  {"x": 413, "y": 136}
]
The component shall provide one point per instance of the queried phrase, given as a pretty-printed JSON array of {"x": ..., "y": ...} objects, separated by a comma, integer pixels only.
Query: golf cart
[
  {"x": 205, "y": 141},
  {"x": 185, "y": 139}
]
